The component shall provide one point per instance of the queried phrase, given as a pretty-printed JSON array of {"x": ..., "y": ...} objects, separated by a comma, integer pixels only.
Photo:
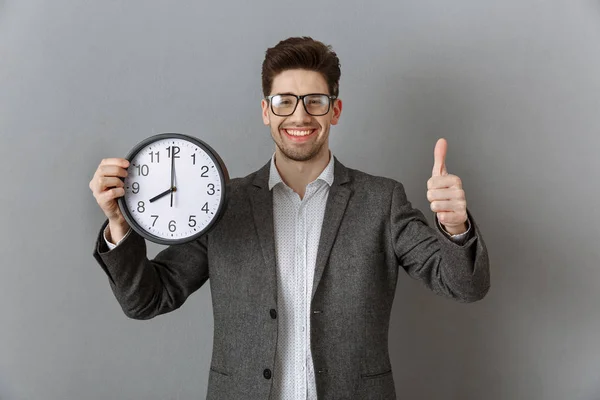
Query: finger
[
  {"x": 448, "y": 206},
  {"x": 441, "y": 182},
  {"x": 106, "y": 182},
  {"x": 445, "y": 194},
  {"x": 111, "y": 170},
  {"x": 108, "y": 196},
  {"x": 439, "y": 158},
  {"x": 120, "y": 162}
]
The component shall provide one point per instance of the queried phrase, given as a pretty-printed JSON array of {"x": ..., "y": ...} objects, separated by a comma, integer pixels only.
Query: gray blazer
[{"x": 370, "y": 232}]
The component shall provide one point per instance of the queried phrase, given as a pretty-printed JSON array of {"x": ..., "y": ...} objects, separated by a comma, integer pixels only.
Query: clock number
[
  {"x": 205, "y": 207},
  {"x": 143, "y": 170},
  {"x": 211, "y": 189},
  {"x": 192, "y": 220},
  {"x": 175, "y": 150},
  {"x": 204, "y": 172},
  {"x": 155, "y": 218},
  {"x": 157, "y": 156},
  {"x": 172, "y": 227},
  {"x": 194, "y": 158},
  {"x": 136, "y": 187},
  {"x": 141, "y": 207}
]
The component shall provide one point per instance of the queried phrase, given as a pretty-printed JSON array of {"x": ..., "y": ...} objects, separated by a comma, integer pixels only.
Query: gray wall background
[{"x": 514, "y": 85}]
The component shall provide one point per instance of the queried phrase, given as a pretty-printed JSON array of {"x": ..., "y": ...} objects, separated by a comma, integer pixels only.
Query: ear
[
  {"x": 265, "y": 112},
  {"x": 337, "y": 111}
]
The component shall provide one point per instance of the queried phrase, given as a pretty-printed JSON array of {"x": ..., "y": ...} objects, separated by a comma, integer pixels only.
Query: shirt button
[
  {"x": 267, "y": 373},
  {"x": 273, "y": 313}
]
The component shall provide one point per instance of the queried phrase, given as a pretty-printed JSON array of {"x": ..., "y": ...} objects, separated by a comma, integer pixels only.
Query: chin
[{"x": 301, "y": 156}]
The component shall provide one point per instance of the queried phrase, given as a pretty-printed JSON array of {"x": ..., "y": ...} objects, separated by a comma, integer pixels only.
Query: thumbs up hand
[{"x": 445, "y": 193}]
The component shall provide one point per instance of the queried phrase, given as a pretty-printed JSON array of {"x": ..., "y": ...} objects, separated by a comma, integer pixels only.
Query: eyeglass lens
[{"x": 285, "y": 105}]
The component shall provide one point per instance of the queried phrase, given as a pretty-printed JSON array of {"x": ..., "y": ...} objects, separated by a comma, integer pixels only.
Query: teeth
[{"x": 298, "y": 133}]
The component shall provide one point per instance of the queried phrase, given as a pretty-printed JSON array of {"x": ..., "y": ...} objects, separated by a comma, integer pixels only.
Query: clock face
[{"x": 174, "y": 190}]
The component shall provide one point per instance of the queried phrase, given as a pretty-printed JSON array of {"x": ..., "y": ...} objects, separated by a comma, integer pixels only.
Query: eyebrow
[{"x": 294, "y": 94}]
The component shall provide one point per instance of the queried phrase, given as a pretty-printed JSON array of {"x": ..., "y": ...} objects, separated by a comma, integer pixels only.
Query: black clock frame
[{"x": 224, "y": 175}]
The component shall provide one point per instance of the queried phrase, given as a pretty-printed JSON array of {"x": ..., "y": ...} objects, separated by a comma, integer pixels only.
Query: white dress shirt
[
  {"x": 297, "y": 226},
  {"x": 297, "y": 229}
]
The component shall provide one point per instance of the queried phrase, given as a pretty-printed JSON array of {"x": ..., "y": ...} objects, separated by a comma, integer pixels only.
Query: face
[{"x": 300, "y": 136}]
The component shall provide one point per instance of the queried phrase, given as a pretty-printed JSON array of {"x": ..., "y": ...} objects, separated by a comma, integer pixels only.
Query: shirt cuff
[
  {"x": 459, "y": 238},
  {"x": 112, "y": 245}
]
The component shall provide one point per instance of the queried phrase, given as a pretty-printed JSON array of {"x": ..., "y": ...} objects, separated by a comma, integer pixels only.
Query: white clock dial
[{"x": 172, "y": 207}]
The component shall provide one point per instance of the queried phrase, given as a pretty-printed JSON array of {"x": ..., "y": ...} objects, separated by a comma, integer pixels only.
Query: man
[{"x": 304, "y": 263}]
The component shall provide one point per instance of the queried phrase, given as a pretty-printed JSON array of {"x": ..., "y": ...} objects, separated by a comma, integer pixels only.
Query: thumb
[{"x": 439, "y": 158}]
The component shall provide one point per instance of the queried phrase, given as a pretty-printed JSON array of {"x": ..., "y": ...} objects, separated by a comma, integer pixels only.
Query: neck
[{"x": 298, "y": 174}]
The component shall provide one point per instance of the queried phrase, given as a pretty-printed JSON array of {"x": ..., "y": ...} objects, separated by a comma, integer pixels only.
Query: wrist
[
  {"x": 455, "y": 230},
  {"x": 117, "y": 229}
]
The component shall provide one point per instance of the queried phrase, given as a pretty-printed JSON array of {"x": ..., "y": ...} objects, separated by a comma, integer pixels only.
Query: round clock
[{"x": 175, "y": 189}]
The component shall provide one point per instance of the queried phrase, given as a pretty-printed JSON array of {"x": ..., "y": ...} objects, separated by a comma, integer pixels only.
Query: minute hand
[
  {"x": 172, "y": 173},
  {"x": 172, "y": 166}
]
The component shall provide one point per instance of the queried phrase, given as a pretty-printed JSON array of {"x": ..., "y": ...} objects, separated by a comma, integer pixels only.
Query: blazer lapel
[
  {"x": 262, "y": 209},
  {"x": 339, "y": 194}
]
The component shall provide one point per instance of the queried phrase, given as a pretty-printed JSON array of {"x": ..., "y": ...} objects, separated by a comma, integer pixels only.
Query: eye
[
  {"x": 283, "y": 101},
  {"x": 317, "y": 101}
]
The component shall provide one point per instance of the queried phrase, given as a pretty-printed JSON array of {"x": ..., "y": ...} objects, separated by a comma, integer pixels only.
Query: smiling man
[{"x": 304, "y": 262}]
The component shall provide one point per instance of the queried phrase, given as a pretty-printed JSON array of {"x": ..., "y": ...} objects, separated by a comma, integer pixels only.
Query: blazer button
[
  {"x": 267, "y": 373},
  {"x": 273, "y": 313}
]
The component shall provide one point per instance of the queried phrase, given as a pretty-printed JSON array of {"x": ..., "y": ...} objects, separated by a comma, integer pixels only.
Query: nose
[{"x": 300, "y": 114}]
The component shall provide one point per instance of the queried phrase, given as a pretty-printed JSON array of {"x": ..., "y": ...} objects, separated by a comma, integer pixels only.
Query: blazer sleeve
[
  {"x": 147, "y": 288},
  {"x": 454, "y": 270}
]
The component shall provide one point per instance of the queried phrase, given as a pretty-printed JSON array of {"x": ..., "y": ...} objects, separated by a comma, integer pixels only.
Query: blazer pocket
[
  {"x": 221, "y": 385},
  {"x": 376, "y": 379},
  {"x": 219, "y": 371},
  {"x": 377, "y": 375}
]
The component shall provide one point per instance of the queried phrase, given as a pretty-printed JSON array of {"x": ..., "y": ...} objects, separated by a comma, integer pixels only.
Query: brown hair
[{"x": 301, "y": 53}]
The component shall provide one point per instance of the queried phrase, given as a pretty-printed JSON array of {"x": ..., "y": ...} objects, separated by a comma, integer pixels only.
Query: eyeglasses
[{"x": 315, "y": 104}]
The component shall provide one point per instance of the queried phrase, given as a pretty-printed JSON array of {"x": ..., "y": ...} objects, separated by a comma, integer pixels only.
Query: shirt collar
[{"x": 326, "y": 176}]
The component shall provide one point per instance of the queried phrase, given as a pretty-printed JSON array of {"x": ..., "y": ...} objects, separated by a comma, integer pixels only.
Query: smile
[{"x": 299, "y": 132}]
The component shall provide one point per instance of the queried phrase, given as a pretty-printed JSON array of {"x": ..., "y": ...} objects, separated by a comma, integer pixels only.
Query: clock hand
[
  {"x": 173, "y": 190},
  {"x": 172, "y": 173},
  {"x": 163, "y": 194},
  {"x": 172, "y": 165}
]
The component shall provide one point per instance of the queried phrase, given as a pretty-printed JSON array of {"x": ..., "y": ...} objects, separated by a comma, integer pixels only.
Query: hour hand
[{"x": 163, "y": 194}]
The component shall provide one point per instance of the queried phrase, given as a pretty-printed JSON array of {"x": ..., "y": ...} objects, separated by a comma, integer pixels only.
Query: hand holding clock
[
  {"x": 126, "y": 189},
  {"x": 107, "y": 186},
  {"x": 445, "y": 193}
]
